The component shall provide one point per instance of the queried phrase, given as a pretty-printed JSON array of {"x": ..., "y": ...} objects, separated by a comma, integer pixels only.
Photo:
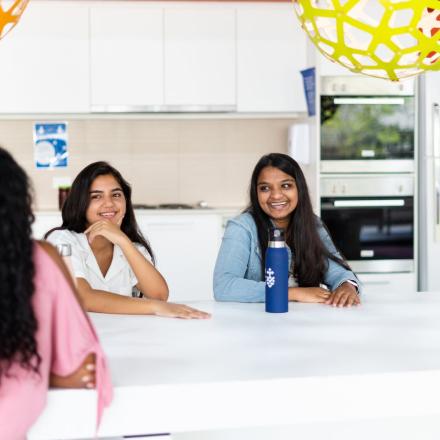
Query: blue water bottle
[{"x": 277, "y": 273}]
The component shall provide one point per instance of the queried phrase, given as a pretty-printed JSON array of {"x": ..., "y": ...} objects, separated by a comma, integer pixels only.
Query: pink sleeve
[{"x": 73, "y": 338}]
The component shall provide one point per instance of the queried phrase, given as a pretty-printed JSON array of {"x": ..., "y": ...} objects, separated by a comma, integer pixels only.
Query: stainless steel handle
[
  {"x": 376, "y": 101},
  {"x": 368, "y": 203},
  {"x": 436, "y": 161}
]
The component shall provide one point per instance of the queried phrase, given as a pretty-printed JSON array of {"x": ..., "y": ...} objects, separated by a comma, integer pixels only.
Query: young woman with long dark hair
[
  {"x": 279, "y": 197},
  {"x": 45, "y": 336},
  {"x": 111, "y": 258}
]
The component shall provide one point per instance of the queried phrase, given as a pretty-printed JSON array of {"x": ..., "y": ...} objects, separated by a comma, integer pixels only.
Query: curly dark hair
[
  {"x": 310, "y": 259},
  {"x": 18, "y": 323}
]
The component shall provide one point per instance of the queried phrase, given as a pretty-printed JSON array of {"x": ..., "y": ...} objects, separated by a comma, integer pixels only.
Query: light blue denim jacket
[{"x": 237, "y": 274}]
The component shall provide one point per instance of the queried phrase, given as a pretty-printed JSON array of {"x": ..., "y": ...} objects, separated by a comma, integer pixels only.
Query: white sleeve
[
  {"x": 147, "y": 256},
  {"x": 63, "y": 236}
]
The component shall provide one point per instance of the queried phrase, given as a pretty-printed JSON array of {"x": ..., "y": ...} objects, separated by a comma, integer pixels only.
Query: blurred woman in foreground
[{"x": 46, "y": 339}]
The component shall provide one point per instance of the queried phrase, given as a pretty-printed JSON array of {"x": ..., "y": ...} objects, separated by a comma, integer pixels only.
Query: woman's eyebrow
[{"x": 100, "y": 191}]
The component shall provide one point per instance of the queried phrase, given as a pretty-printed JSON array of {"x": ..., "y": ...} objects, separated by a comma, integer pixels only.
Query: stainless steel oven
[
  {"x": 371, "y": 220},
  {"x": 366, "y": 127}
]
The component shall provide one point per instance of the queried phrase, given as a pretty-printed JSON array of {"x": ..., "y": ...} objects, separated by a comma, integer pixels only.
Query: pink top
[{"x": 65, "y": 336}]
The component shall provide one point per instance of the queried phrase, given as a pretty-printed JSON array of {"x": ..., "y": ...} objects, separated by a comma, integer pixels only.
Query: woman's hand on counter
[
  {"x": 344, "y": 296},
  {"x": 308, "y": 294},
  {"x": 172, "y": 310}
]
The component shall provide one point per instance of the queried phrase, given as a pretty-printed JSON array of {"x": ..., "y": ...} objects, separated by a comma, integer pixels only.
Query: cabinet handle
[
  {"x": 365, "y": 203},
  {"x": 376, "y": 283},
  {"x": 436, "y": 159}
]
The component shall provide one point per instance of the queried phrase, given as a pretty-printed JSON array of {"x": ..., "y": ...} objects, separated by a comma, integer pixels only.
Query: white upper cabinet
[
  {"x": 200, "y": 56},
  {"x": 271, "y": 52},
  {"x": 331, "y": 68},
  {"x": 45, "y": 60},
  {"x": 126, "y": 52}
]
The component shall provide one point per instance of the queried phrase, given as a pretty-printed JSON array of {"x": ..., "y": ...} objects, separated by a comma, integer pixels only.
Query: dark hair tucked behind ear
[
  {"x": 76, "y": 204},
  {"x": 310, "y": 255},
  {"x": 17, "y": 320}
]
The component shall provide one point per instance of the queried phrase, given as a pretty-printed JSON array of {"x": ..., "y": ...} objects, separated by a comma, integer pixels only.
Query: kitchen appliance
[
  {"x": 366, "y": 126},
  {"x": 371, "y": 220},
  {"x": 429, "y": 182}
]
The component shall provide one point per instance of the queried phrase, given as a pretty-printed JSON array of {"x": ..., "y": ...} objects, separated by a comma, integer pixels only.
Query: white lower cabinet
[
  {"x": 388, "y": 282},
  {"x": 185, "y": 247},
  {"x": 44, "y": 222}
]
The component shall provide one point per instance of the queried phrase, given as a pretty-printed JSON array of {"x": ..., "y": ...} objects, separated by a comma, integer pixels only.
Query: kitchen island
[{"x": 247, "y": 368}]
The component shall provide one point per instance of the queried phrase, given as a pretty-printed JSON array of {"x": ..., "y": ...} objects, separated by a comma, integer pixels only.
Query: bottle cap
[
  {"x": 64, "y": 249},
  {"x": 276, "y": 234}
]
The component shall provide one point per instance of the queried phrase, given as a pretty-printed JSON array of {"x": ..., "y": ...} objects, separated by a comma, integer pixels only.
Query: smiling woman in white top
[{"x": 111, "y": 259}]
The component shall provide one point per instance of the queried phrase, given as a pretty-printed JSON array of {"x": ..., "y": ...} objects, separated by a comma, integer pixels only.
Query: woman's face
[
  {"x": 106, "y": 201},
  {"x": 277, "y": 195}
]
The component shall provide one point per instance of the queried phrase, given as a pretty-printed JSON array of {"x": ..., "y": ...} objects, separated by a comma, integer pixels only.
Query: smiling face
[
  {"x": 277, "y": 195},
  {"x": 107, "y": 201}
]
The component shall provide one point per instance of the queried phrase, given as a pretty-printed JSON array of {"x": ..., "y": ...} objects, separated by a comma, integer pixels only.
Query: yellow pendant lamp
[
  {"x": 10, "y": 13},
  {"x": 391, "y": 39}
]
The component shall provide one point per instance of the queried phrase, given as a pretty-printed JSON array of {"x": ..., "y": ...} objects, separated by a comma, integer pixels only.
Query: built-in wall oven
[
  {"x": 371, "y": 220},
  {"x": 366, "y": 126}
]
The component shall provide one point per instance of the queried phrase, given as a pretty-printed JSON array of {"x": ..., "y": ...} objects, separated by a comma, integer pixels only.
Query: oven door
[
  {"x": 371, "y": 130},
  {"x": 375, "y": 234}
]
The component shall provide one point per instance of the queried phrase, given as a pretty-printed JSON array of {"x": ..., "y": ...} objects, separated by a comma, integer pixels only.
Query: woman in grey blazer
[{"x": 279, "y": 197}]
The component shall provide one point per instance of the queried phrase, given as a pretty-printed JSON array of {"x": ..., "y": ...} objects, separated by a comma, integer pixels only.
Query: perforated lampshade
[
  {"x": 10, "y": 13},
  {"x": 390, "y": 39}
]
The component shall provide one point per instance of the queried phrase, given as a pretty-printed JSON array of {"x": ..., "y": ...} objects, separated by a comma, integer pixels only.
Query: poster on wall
[
  {"x": 50, "y": 144},
  {"x": 309, "y": 83}
]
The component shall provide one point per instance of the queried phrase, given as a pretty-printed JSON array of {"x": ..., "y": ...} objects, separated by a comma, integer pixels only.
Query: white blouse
[{"x": 119, "y": 278}]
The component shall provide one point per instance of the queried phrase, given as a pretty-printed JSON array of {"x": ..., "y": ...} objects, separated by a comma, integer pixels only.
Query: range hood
[{"x": 163, "y": 108}]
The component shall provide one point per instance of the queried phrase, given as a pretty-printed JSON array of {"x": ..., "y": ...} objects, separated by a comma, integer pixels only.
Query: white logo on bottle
[{"x": 270, "y": 278}]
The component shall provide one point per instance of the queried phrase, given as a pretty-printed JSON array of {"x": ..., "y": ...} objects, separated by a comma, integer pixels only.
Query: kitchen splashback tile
[{"x": 166, "y": 161}]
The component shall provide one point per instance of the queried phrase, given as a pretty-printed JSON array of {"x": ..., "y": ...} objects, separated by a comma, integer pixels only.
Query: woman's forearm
[
  {"x": 100, "y": 301},
  {"x": 150, "y": 282}
]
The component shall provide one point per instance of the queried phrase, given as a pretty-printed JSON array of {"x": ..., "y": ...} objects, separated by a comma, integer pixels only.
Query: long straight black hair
[
  {"x": 310, "y": 255},
  {"x": 75, "y": 207},
  {"x": 18, "y": 323}
]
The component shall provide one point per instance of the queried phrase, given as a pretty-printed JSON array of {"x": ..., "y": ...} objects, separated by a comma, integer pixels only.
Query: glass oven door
[
  {"x": 368, "y": 129},
  {"x": 373, "y": 234}
]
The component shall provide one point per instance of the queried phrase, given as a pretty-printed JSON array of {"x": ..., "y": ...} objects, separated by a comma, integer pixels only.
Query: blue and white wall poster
[
  {"x": 50, "y": 144},
  {"x": 309, "y": 81}
]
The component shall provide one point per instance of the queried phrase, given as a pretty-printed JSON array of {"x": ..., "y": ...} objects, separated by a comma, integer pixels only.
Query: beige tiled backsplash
[{"x": 166, "y": 161}]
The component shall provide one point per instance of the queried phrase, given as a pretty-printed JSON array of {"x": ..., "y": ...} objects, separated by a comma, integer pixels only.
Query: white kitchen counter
[{"x": 245, "y": 367}]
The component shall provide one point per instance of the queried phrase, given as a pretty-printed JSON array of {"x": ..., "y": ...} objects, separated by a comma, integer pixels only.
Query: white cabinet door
[
  {"x": 331, "y": 68},
  {"x": 126, "y": 55},
  {"x": 185, "y": 247},
  {"x": 44, "y": 222},
  {"x": 200, "y": 57},
  {"x": 45, "y": 61},
  {"x": 387, "y": 282},
  {"x": 271, "y": 52}
]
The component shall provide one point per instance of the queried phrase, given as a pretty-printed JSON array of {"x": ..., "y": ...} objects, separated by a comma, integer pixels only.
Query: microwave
[{"x": 367, "y": 131}]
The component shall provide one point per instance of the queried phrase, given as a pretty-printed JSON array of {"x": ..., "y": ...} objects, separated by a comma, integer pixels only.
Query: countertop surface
[
  {"x": 244, "y": 367},
  {"x": 242, "y": 342},
  {"x": 211, "y": 210}
]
